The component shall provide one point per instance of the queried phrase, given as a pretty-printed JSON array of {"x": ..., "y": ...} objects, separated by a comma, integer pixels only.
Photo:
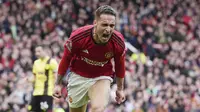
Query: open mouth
[{"x": 105, "y": 35}]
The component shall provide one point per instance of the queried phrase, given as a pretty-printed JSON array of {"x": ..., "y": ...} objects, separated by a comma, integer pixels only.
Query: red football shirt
[{"x": 90, "y": 60}]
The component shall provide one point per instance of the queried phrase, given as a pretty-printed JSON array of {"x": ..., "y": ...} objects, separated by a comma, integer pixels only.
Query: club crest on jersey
[
  {"x": 109, "y": 55},
  {"x": 69, "y": 45}
]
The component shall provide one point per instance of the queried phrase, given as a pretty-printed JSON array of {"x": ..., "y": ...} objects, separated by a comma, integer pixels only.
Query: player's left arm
[
  {"x": 119, "y": 59},
  {"x": 120, "y": 73},
  {"x": 120, "y": 70}
]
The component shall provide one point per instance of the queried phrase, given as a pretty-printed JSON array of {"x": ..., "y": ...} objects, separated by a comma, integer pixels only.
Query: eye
[
  {"x": 104, "y": 25},
  {"x": 112, "y": 25}
]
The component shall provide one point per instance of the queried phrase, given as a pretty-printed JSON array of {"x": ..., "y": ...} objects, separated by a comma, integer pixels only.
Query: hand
[
  {"x": 120, "y": 97},
  {"x": 57, "y": 92}
]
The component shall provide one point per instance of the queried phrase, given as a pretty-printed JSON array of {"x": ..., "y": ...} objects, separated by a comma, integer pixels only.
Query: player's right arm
[
  {"x": 62, "y": 68},
  {"x": 70, "y": 48}
]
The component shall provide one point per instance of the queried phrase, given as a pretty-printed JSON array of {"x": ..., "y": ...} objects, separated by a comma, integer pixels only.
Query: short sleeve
[
  {"x": 72, "y": 45},
  {"x": 53, "y": 65}
]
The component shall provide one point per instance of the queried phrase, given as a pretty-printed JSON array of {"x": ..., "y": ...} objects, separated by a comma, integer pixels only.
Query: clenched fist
[{"x": 57, "y": 92}]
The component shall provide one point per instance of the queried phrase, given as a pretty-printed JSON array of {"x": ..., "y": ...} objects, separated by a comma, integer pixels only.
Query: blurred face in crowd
[
  {"x": 39, "y": 52},
  {"x": 104, "y": 27}
]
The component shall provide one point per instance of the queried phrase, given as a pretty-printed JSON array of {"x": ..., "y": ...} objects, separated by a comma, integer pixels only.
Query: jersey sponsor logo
[
  {"x": 69, "y": 45},
  {"x": 40, "y": 73},
  {"x": 95, "y": 63},
  {"x": 85, "y": 51},
  {"x": 108, "y": 55}
]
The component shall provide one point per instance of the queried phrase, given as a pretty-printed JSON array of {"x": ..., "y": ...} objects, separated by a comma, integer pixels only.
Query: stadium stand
[{"x": 163, "y": 76}]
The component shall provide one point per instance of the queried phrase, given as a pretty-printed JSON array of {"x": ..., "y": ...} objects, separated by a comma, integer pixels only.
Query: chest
[
  {"x": 97, "y": 52},
  {"x": 40, "y": 67}
]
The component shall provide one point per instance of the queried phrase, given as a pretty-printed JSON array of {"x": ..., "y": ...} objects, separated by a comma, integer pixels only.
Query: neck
[
  {"x": 95, "y": 37},
  {"x": 42, "y": 57},
  {"x": 96, "y": 40}
]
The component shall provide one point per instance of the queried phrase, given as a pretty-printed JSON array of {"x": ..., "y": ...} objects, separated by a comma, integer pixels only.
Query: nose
[{"x": 108, "y": 29}]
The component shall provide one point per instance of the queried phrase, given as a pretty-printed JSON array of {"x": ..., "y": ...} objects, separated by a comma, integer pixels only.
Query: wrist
[
  {"x": 120, "y": 88},
  {"x": 58, "y": 86},
  {"x": 59, "y": 80},
  {"x": 120, "y": 83}
]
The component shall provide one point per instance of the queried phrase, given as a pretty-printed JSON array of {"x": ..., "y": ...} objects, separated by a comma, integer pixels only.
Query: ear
[{"x": 95, "y": 22}]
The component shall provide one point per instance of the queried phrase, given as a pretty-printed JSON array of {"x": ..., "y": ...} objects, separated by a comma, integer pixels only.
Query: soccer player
[
  {"x": 88, "y": 53},
  {"x": 44, "y": 70}
]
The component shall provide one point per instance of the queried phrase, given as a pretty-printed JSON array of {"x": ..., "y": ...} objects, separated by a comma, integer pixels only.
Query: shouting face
[{"x": 103, "y": 28}]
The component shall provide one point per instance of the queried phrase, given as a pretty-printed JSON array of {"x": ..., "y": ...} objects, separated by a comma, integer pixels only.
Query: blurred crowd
[{"x": 163, "y": 76}]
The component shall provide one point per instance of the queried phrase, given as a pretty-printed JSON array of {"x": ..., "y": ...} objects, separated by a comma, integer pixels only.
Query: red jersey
[{"x": 91, "y": 60}]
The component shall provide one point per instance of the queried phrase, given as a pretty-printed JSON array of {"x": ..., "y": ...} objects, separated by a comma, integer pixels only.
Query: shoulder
[
  {"x": 36, "y": 61},
  {"x": 118, "y": 39},
  {"x": 81, "y": 32},
  {"x": 77, "y": 36},
  {"x": 53, "y": 64},
  {"x": 118, "y": 34},
  {"x": 53, "y": 61}
]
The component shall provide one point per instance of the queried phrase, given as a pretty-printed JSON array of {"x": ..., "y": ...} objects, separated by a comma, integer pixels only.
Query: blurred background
[{"x": 162, "y": 62}]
